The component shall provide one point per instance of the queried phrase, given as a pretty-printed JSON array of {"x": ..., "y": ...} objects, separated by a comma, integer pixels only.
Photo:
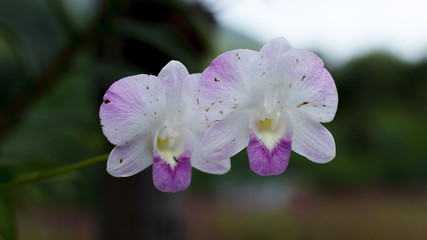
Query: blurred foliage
[{"x": 7, "y": 227}]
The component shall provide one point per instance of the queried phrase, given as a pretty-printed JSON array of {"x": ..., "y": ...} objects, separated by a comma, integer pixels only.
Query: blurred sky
[{"x": 337, "y": 29}]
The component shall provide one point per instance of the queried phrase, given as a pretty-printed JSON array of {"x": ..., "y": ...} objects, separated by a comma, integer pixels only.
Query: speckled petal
[
  {"x": 311, "y": 139},
  {"x": 130, "y": 158},
  {"x": 172, "y": 179},
  {"x": 265, "y": 161},
  {"x": 228, "y": 137},
  {"x": 225, "y": 86},
  {"x": 131, "y": 107},
  {"x": 308, "y": 86}
]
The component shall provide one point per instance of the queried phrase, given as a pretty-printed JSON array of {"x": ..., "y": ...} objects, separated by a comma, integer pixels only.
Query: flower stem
[{"x": 51, "y": 173}]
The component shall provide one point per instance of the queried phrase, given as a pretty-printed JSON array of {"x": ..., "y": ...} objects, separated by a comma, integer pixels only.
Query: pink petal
[
  {"x": 266, "y": 161},
  {"x": 132, "y": 107},
  {"x": 311, "y": 139},
  {"x": 172, "y": 179},
  {"x": 222, "y": 87},
  {"x": 130, "y": 158}
]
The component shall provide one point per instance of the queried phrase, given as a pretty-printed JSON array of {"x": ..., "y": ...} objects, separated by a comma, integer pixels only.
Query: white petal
[
  {"x": 309, "y": 88},
  {"x": 188, "y": 109},
  {"x": 312, "y": 140},
  {"x": 132, "y": 107},
  {"x": 172, "y": 76},
  {"x": 130, "y": 158},
  {"x": 227, "y": 85},
  {"x": 227, "y": 137},
  {"x": 273, "y": 53},
  {"x": 209, "y": 165}
]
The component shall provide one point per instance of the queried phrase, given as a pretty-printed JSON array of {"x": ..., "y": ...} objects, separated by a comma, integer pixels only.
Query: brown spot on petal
[
  {"x": 262, "y": 74},
  {"x": 148, "y": 88},
  {"x": 221, "y": 112},
  {"x": 216, "y": 80},
  {"x": 302, "y": 79},
  {"x": 197, "y": 101},
  {"x": 207, "y": 109},
  {"x": 234, "y": 107},
  {"x": 121, "y": 160},
  {"x": 220, "y": 101},
  {"x": 314, "y": 105},
  {"x": 323, "y": 105},
  {"x": 107, "y": 101},
  {"x": 301, "y": 104},
  {"x": 290, "y": 85},
  {"x": 102, "y": 125},
  {"x": 212, "y": 104}
]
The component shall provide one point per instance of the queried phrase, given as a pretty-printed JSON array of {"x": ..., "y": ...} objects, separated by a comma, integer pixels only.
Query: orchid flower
[
  {"x": 155, "y": 120},
  {"x": 272, "y": 101}
]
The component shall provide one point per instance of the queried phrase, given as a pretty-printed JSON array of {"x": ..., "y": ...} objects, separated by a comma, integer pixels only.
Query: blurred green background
[{"x": 57, "y": 58}]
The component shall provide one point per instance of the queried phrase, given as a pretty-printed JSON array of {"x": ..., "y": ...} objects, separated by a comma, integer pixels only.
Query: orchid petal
[
  {"x": 222, "y": 87},
  {"x": 309, "y": 89},
  {"x": 130, "y": 158},
  {"x": 227, "y": 137},
  {"x": 207, "y": 165},
  {"x": 202, "y": 162},
  {"x": 265, "y": 161},
  {"x": 273, "y": 52},
  {"x": 131, "y": 107},
  {"x": 311, "y": 139},
  {"x": 172, "y": 179},
  {"x": 172, "y": 77}
]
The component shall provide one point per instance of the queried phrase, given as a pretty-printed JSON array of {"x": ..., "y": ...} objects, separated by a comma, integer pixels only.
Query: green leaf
[{"x": 7, "y": 225}]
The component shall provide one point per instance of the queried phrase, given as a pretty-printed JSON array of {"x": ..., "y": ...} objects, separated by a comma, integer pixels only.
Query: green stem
[{"x": 51, "y": 173}]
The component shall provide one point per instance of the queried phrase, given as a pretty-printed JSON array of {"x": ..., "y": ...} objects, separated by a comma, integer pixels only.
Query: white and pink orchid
[
  {"x": 155, "y": 120},
  {"x": 272, "y": 101}
]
